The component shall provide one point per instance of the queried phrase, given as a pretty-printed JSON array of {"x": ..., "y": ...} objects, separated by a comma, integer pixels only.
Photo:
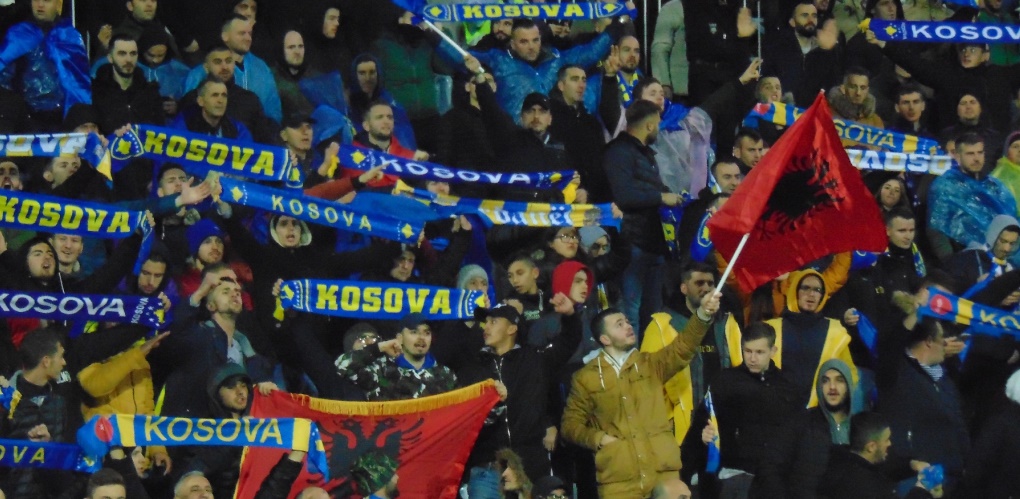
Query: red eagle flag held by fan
[
  {"x": 804, "y": 200},
  {"x": 430, "y": 438}
]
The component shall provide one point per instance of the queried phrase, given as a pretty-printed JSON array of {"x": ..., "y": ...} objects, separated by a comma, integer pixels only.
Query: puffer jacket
[
  {"x": 518, "y": 78},
  {"x": 630, "y": 407}
]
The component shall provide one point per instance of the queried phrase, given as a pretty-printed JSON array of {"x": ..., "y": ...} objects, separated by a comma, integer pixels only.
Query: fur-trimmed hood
[{"x": 842, "y": 106}]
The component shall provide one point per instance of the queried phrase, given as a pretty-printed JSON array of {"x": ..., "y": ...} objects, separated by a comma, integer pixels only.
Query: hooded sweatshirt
[{"x": 840, "y": 432}]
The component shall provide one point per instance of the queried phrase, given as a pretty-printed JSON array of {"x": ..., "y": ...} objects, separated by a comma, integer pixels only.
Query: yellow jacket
[
  {"x": 121, "y": 384},
  {"x": 837, "y": 340}
]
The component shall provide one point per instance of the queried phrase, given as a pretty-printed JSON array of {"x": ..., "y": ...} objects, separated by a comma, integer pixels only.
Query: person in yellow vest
[
  {"x": 686, "y": 389},
  {"x": 805, "y": 338}
]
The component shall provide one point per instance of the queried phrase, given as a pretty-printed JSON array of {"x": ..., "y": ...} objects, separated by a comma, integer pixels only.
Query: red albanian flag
[
  {"x": 430, "y": 438},
  {"x": 803, "y": 201}
]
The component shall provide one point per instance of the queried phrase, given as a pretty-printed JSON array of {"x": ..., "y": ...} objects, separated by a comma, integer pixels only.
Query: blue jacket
[
  {"x": 55, "y": 69},
  {"x": 517, "y": 78},
  {"x": 256, "y": 77}
]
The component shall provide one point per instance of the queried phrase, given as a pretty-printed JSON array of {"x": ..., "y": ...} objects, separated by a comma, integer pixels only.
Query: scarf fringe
[{"x": 345, "y": 408}]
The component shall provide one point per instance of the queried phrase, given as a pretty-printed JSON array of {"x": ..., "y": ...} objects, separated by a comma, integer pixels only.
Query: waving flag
[
  {"x": 430, "y": 438},
  {"x": 803, "y": 201},
  {"x": 712, "y": 463}
]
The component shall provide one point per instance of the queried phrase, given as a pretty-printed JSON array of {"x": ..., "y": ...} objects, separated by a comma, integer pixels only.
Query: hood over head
[
  {"x": 563, "y": 277},
  {"x": 219, "y": 377},
  {"x": 306, "y": 233},
  {"x": 791, "y": 291},
  {"x": 998, "y": 224}
]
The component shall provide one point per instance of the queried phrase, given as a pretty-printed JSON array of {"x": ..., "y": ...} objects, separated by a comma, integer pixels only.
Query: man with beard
[
  {"x": 250, "y": 72},
  {"x": 120, "y": 92},
  {"x": 244, "y": 106},
  {"x": 794, "y": 465},
  {"x": 634, "y": 179},
  {"x": 498, "y": 37},
  {"x": 401, "y": 368},
  {"x": 142, "y": 16},
  {"x": 686, "y": 388},
  {"x": 10, "y": 180},
  {"x": 630, "y": 58},
  {"x": 290, "y": 69},
  {"x": 378, "y": 124},
  {"x": 208, "y": 345},
  {"x": 804, "y": 57},
  {"x": 368, "y": 89}
]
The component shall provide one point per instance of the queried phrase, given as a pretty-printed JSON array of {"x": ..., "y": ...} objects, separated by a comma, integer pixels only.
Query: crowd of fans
[{"x": 621, "y": 371}]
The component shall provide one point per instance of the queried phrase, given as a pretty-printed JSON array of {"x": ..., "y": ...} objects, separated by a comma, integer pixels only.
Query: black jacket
[
  {"x": 243, "y": 106},
  {"x": 582, "y": 135},
  {"x": 751, "y": 409},
  {"x": 804, "y": 75},
  {"x": 850, "y": 476},
  {"x": 794, "y": 464},
  {"x": 464, "y": 143},
  {"x": 925, "y": 416},
  {"x": 519, "y": 150},
  {"x": 140, "y": 103},
  {"x": 528, "y": 373},
  {"x": 281, "y": 478},
  {"x": 637, "y": 190},
  {"x": 995, "y": 457}
]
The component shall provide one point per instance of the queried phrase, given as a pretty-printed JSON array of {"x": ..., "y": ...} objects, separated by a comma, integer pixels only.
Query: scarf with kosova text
[
  {"x": 461, "y": 12},
  {"x": 46, "y": 455},
  {"x": 56, "y": 215},
  {"x": 378, "y": 300},
  {"x": 102, "y": 432},
  {"x": 944, "y": 32},
  {"x": 141, "y": 310}
]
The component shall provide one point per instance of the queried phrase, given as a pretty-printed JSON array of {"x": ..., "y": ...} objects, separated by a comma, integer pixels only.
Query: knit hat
[
  {"x": 469, "y": 272},
  {"x": 1013, "y": 137},
  {"x": 563, "y": 277},
  {"x": 356, "y": 331},
  {"x": 590, "y": 234},
  {"x": 373, "y": 470},
  {"x": 152, "y": 37},
  {"x": 198, "y": 233},
  {"x": 545, "y": 485},
  {"x": 1013, "y": 387}
]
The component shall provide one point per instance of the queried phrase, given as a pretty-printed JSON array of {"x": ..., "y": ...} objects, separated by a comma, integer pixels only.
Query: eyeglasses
[
  {"x": 599, "y": 247},
  {"x": 368, "y": 338},
  {"x": 811, "y": 289},
  {"x": 556, "y": 496},
  {"x": 568, "y": 238}
]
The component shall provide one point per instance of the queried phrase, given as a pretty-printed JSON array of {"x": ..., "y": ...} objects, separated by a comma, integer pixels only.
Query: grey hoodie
[{"x": 840, "y": 433}]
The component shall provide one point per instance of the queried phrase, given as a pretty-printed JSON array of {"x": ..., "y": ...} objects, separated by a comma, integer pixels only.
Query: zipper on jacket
[{"x": 506, "y": 413}]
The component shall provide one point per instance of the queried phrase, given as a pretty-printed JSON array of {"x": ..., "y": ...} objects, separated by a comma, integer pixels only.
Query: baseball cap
[
  {"x": 502, "y": 310},
  {"x": 535, "y": 99},
  {"x": 412, "y": 321}
]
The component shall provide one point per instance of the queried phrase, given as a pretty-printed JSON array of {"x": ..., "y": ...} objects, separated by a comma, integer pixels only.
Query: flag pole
[
  {"x": 446, "y": 38},
  {"x": 729, "y": 266}
]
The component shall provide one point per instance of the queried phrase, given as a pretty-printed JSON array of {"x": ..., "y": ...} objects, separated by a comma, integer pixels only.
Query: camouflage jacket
[{"x": 383, "y": 378}]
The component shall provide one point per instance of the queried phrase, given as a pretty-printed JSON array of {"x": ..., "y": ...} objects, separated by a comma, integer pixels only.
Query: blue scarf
[
  {"x": 54, "y": 456},
  {"x": 140, "y": 310},
  {"x": 702, "y": 245},
  {"x": 496, "y": 212},
  {"x": 785, "y": 115},
  {"x": 200, "y": 153},
  {"x": 319, "y": 211},
  {"x": 489, "y": 12},
  {"x": 378, "y": 300},
  {"x": 671, "y": 217},
  {"x": 64, "y": 46},
  {"x": 361, "y": 158},
  {"x": 51, "y": 145},
  {"x": 627, "y": 86},
  {"x": 900, "y": 162},
  {"x": 36, "y": 212},
  {"x": 102, "y": 432},
  {"x": 944, "y": 32}
]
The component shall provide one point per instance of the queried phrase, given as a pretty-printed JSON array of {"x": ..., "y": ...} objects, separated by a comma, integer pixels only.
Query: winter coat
[
  {"x": 751, "y": 409},
  {"x": 228, "y": 128},
  {"x": 517, "y": 78},
  {"x": 139, "y": 104},
  {"x": 995, "y": 457},
  {"x": 242, "y": 106},
  {"x": 669, "y": 48},
  {"x": 252, "y": 74},
  {"x": 169, "y": 76},
  {"x": 859, "y": 113},
  {"x": 925, "y": 416},
  {"x": 850, "y": 476},
  {"x": 406, "y": 56},
  {"x": 280, "y": 480},
  {"x": 686, "y": 388},
  {"x": 384, "y": 379},
  {"x": 804, "y": 75},
  {"x": 522, "y": 419},
  {"x": 584, "y": 140},
  {"x": 630, "y": 407},
  {"x": 796, "y": 461},
  {"x": 637, "y": 190}
]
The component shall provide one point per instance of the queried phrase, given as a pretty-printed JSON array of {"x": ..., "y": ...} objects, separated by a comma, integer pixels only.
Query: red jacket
[{"x": 396, "y": 149}]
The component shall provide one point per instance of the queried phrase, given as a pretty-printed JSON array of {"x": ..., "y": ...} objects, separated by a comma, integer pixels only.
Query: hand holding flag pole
[{"x": 416, "y": 7}]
